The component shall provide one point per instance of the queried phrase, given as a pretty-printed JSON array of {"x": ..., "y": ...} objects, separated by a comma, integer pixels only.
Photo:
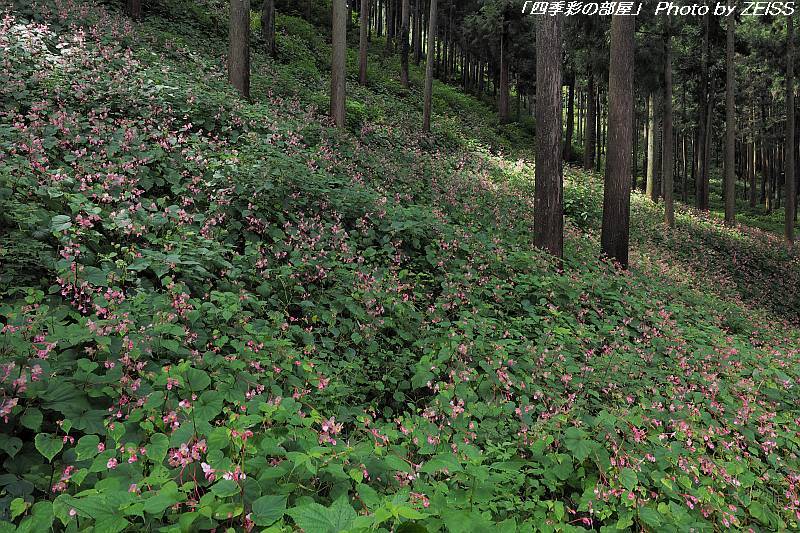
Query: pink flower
[{"x": 111, "y": 464}]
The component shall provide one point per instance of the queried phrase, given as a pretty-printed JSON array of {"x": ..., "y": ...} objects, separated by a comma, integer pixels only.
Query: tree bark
[
  {"x": 268, "y": 26},
  {"x": 614, "y": 236},
  {"x": 362, "y": 44},
  {"x": 591, "y": 126},
  {"x": 417, "y": 37},
  {"x": 791, "y": 195},
  {"x": 652, "y": 150},
  {"x": 703, "y": 139},
  {"x": 502, "y": 105},
  {"x": 390, "y": 29},
  {"x": 667, "y": 151},
  {"x": 239, "y": 46},
  {"x": 134, "y": 9},
  {"x": 426, "y": 112},
  {"x": 730, "y": 127},
  {"x": 548, "y": 211},
  {"x": 338, "y": 80},
  {"x": 404, "y": 45},
  {"x": 570, "y": 118}
]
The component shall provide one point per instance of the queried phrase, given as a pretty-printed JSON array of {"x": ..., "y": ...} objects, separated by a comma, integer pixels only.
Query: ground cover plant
[{"x": 229, "y": 315}]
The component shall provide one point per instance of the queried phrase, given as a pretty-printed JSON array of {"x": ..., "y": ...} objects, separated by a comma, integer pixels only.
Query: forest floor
[{"x": 227, "y": 314}]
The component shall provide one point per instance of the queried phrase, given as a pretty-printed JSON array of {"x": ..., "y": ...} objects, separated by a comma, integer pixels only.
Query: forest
[{"x": 401, "y": 266}]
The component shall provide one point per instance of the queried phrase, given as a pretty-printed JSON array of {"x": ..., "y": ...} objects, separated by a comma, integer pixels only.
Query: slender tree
[
  {"x": 363, "y": 42},
  {"x": 404, "y": 44},
  {"x": 730, "y": 127},
  {"x": 570, "y": 118},
  {"x": 667, "y": 150},
  {"x": 591, "y": 126},
  {"x": 614, "y": 236},
  {"x": 791, "y": 194},
  {"x": 134, "y": 9},
  {"x": 704, "y": 104},
  {"x": 239, "y": 46},
  {"x": 502, "y": 105},
  {"x": 430, "y": 56},
  {"x": 268, "y": 26},
  {"x": 548, "y": 210},
  {"x": 652, "y": 149},
  {"x": 339, "y": 35}
]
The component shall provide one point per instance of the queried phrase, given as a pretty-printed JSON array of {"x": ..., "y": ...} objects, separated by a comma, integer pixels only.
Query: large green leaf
[
  {"x": 48, "y": 445},
  {"x": 268, "y": 509},
  {"x": 314, "y": 518}
]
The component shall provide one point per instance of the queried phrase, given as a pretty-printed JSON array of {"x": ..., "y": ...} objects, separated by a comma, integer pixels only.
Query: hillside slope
[{"x": 228, "y": 314}]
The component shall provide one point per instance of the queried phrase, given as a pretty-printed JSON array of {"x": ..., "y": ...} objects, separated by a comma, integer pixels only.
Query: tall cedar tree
[
  {"x": 430, "y": 56},
  {"x": 791, "y": 193},
  {"x": 570, "y": 117},
  {"x": 363, "y": 42},
  {"x": 339, "y": 35},
  {"x": 268, "y": 26},
  {"x": 591, "y": 119},
  {"x": 617, "y": 193},
  {"x": 667, "y": 155},
  {"x": 652, "y": 148},
  {"x": 548, "y": 210},
  {"x": 405, "y": 47},
  {"x": 704, "y": 104},
  {"x": 730, "y": 127},
  {"x": 134, "y": 9},
  {"x": 503, "y": 105},
  {"x": 239, "y": 49}
]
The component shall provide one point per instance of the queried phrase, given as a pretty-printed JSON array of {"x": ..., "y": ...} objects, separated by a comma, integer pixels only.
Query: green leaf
[
  {"x": 311, "y": 518},
  {"x": 10, "y": 445},
  {"x": 441, "y": 462},
  {"x": 165, "y": 498},
  {"x": 314, "y": 518},
  {"x": 577, "y": 442},
  {"x": 48, "y": 445},
  {"x": 197, "y": 380},
  {"x": 87, "y": 447},
  {"x": 158, "y": 447},
  {"x": 650, "y": 516},
  {"x": 32, "y": 419},
  {"x": 268, "y": 509},
  {"x": 628, "y": 478},
  {"x": 225, "y": 488},
  {"x": 17, "y": 507},
  {"x": 60, "y": 223}
]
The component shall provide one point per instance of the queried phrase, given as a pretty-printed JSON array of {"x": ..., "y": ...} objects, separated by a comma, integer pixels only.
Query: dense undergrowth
[{"x": 220, "y": 314}]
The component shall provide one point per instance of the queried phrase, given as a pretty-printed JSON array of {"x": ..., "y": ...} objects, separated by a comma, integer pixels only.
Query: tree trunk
[
  {"x": 239, "y": 47},
  {"x": 616, "y": 191},
  {"x": 791, "y": 195},
  {"x": 268, "y": 26},
  {"x": 417, "y": 37},
  {"x": 570, "y": 118},
  {"x": 652, "y": 150},
  {"x": 338, "y": 86},
  {"x": 504, "y": 89},
  {"x": 591, "y": 126},
  {"x": 404, "y": 46},
  {"x": 704, "y": 134},
  {"x": 390, "y": 29},
  {"x": 134, "y": 9},
  {"x": 730, "y": 128},
  {"x": 362, "y": 44},
  {"x": 548, "y": 211},
  {"x": 667, "y": 151},
  {"x": 426, "y": 113}
]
